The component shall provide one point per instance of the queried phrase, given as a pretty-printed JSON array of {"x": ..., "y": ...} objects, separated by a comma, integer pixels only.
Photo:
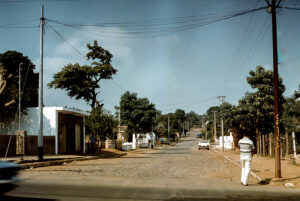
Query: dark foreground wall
[{"x": 30, "y": 146}]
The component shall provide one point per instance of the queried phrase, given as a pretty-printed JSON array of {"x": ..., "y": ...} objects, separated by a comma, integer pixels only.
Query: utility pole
[
  {"x": 206, "y": 129},
  {"x": 168, "y": 129},
  {"x": 119, "y": 118},
  {"x": 272, "y": 9},
  {"x": 20, "y": 96},
  {"x": 40, "y": 134},
  {"x": 222, "y": 122},
  {"x": 215, "y": 126}
]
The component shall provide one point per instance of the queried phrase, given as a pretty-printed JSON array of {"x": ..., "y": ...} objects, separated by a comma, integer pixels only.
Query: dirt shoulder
[{"x": 264, "y": 167}]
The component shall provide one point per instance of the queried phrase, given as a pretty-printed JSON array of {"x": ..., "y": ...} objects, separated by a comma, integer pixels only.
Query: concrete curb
[
  {"x": 238, "y": 164},
  {"x": 55, "y": 162}
]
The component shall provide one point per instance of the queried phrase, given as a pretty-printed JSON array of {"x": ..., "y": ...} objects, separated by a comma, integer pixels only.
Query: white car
[{"x": 203, "y": 144}]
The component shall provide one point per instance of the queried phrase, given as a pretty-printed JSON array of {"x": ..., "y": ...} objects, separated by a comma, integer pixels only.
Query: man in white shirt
[{"x": 247, "y": 151}]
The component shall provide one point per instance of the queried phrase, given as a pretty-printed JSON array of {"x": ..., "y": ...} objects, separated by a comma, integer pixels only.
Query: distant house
[{"x": 63, "y": 131}]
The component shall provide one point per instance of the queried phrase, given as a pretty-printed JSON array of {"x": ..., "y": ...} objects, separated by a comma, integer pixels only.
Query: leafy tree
[
  {"x": 254, "y": 113},
  {"x": 180, "y": 115},
  {"x": 161, "y": 129},
  {"x": 137, "y": 113},
  {"x": 9, "y": 79},
  {"x": 193, "y": 118},
  {"x": 83, "y": 82},
  {"x": 101, "y": 123},
  {"x": 291, "y": 112},
  {"x": 262, "y": 81}
]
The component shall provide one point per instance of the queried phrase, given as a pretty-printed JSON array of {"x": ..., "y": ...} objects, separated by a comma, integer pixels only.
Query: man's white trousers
[{"x": 246, "y": 159}]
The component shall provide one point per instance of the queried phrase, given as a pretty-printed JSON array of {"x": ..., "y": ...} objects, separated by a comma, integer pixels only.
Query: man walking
[
  {"x": 93, "y": 140},
  {"x": 247, "y": 151}
]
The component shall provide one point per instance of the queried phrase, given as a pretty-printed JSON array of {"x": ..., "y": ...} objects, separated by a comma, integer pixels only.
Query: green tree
[
  {"x": 180, "y": 118},
  {"x": 9, "y": 79},
  {"x": 291, "y": 112},
  {"x": 262, "y": 81},
  {"x": 137, "y": 113},
  {"x": 101, "y": 123},
  {"x": 254, "y": 113},
  {"x": 193, "y": 118},
  {"x": 83, "y": 82}
]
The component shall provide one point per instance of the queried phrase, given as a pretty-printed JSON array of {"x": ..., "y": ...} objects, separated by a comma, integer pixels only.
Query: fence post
[{"x": 294, "y": 145}]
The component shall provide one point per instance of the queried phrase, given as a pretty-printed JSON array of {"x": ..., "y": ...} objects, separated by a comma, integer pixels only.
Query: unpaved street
[{"x": 179, "y": 173}]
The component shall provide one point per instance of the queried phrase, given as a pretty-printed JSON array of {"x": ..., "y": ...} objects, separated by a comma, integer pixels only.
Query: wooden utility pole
[{"x": 272, "y": 7}]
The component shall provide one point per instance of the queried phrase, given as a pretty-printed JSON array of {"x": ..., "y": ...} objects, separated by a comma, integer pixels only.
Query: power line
[
  {"x": 34, "y": 1},
  {"x": 251, "y": 53},
  {"x": 144, "y": 29},
  {"x": 61, "y": 36},
  {"x": 290, "y": 8},
  {"x": 235, "y": 59},
  {"x": 192, "y": 104}
]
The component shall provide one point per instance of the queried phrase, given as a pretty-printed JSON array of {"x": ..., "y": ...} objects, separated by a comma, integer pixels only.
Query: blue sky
[{"x": 186, "y": 69}]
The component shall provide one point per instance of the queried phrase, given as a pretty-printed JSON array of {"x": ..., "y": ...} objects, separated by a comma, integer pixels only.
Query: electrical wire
[
  {"x": 246, "y": 62},
  {"x": 151, "y": 28},
  {"x": 191, "y": 104},
  {"x": 63, "y": 38},
  {"x": 236, "y": 61}
]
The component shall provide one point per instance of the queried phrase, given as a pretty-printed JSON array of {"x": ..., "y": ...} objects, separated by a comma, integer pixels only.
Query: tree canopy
[
  {"x": 101, "y": 123},
  {"x": 255, "y": 111},
  {"x": 83, "y": 81},
  {"x": 137, "y": 113},
  {"x": 9, "y": 84}
]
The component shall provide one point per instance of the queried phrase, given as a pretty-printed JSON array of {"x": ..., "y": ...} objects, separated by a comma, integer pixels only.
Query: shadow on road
[
  {"x": 234, "y": 199},
  {"x": 13, "y": 198},
  {"x": 109, "y": 154}
]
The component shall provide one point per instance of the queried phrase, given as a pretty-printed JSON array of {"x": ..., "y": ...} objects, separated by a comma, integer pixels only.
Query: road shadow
[
  {"x": 15, "y": 198},
  {"x": 109, "y": 154},
  {"x": 241, "y": 198}
]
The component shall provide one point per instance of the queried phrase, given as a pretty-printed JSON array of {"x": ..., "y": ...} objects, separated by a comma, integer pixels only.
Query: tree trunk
[
  {"x": 270, "y": 145},
  {"x": 260, "y": 144},
  {"x": 100, "y": 148},
  {"x": 286, "y": 145},
  {"x": 257, "y": 145},
  {"x": 263, "y": 145}
]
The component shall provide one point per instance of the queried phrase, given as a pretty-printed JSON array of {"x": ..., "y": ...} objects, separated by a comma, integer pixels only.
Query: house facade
[{"x": 63, "y": 131}]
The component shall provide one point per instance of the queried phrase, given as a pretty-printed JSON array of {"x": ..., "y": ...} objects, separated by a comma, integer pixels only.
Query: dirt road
[{"x": 179, "y": 173}]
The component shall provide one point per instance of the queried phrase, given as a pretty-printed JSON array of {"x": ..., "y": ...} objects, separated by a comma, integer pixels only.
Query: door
[
  {"x": 62, "y": 142},
  {"x": 77, "y": 138}
]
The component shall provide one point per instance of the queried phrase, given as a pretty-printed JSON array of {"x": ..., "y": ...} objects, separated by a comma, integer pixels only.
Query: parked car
[
  {"x": 198, "y": 135},
  {"x": 8, "y": 176},
  {"x": 203, "y": 144}
]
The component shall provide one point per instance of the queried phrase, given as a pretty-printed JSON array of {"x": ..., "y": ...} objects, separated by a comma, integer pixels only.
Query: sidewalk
[
  {"x": 26, "y": 162},
  {"x": 263, "y": 168}
]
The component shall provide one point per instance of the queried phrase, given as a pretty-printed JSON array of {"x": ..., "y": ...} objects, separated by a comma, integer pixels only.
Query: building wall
[
  {"x": 30, "y": 145},
  {"x": 30, "y": 122},
  {"x": 52, "y": 117}
]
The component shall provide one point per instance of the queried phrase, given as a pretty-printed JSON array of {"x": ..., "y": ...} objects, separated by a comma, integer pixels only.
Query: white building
[
  {"x": 228, "y": 142},
  {"x": 63, "y": 130}
]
